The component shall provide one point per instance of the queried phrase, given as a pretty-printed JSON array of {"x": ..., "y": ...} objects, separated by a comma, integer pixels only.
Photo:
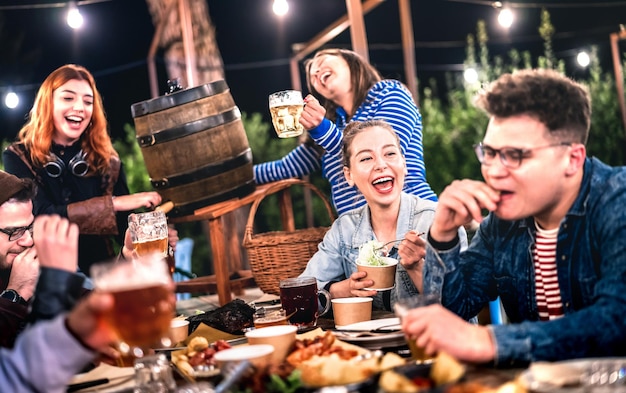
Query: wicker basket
[{"x": 276, "y": 255}]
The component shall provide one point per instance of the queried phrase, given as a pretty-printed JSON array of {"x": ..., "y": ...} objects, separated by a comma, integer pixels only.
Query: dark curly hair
[{"x": 563, "y": 105}]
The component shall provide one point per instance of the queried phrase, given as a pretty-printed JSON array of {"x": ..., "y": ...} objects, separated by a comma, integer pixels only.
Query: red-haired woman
[{"x": 65, "y": 147}]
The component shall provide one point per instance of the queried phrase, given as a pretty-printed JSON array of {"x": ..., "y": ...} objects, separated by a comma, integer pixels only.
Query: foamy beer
[
  {"x": 148, "y": 232},
  {"x": 286, "y": 107},
  {"x": 143, "y": 306}
]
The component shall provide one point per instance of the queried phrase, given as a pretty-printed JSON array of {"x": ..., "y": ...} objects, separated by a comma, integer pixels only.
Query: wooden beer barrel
[{"x": 195, "y": 147}]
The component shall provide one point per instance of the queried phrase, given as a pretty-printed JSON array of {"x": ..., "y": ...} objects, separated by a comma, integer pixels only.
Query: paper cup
[
  {"x": 349, "y": 310},
  {"x": 282, "y": 338},
  {"x": 384, "y": 276},
  {"x": 179, "y": 330}
]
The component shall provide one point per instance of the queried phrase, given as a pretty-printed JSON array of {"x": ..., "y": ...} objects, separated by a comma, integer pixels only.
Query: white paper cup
[
  {"x": 258, "y": 355},
  {"x": 179, "y": 330},
  {"x": 282, "y": 338}
]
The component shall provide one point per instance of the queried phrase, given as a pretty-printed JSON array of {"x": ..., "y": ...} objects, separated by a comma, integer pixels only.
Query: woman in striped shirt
[{"x": 350, "y": 89}]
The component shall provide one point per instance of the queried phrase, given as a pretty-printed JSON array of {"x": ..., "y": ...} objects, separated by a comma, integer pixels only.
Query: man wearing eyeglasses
[
  {"x": 19, "y": 267},
  {"x": 552, "y": 247},
  {"x": 58, "y": 286}
]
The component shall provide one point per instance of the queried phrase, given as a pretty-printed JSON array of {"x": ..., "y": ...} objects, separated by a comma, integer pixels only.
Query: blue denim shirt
[
  {"x": 591, "y": 267},
  {"x": 335, "y": 259}
]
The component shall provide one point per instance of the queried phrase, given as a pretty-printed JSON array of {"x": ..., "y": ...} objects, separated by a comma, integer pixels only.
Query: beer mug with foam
[
  {"x": 148, "y": 232},
  {"x": 143, "y": 302},
  {"x": 286, "y": 107}
]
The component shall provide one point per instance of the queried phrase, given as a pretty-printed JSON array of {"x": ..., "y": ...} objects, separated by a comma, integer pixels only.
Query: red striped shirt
[{"x": 548, "y": 294}]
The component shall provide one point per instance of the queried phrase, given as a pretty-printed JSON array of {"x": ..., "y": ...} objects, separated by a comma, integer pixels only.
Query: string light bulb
[
  {"x": 74, "y": 17},
  {"x": 583, "y": 59},
  {"x": 470, "y": 75},
  {"x": 506, "y": 17},
  {"x": 11, "y": 100},
  {"x": 280, "y": 7}
]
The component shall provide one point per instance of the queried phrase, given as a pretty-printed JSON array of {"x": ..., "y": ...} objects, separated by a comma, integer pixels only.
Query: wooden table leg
[
  {"x": 234, "y": 247},
  {"x": 220, "y": 259}
]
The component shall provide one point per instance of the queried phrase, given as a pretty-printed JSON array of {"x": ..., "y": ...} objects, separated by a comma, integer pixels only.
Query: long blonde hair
[{"x": 37, "y": 133}]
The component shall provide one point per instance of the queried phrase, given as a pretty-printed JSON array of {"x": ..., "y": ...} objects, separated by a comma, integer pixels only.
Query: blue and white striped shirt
[{"x": 387, "y": 100}]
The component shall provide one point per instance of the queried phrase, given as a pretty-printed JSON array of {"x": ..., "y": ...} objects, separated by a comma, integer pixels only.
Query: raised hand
[
  {"x": 458, "y": 204},
  {"x": 313, "y": 113},
  {"x": 436, "y": 329},
  {"x": 56, "y": 242}
]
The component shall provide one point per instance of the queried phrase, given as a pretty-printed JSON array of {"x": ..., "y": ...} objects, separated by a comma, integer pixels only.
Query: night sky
[{"x": 256, "y": 45}]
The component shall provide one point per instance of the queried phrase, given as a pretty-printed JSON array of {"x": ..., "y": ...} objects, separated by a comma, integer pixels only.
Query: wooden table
[{"x": 225, "y": 243}]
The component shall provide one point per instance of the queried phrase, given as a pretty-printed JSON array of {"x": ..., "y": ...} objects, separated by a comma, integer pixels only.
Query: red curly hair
[{"x": 36, "y": 134}]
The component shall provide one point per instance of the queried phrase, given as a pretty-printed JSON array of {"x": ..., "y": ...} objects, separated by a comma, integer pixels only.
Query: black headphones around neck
[{"x": 78, "y": 165}]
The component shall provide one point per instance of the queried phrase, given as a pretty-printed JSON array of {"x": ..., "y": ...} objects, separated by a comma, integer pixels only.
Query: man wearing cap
[{"x": 58, "y": 287}]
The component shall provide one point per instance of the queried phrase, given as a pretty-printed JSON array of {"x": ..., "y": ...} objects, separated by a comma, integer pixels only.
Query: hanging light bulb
[
  {"x": 74, "y": 18},
  {"x": 583, "y": 59},
  {"x": 280, "y": 7},
  {"x": 470, "y": 75},
  {"x": 506, "y": 17},
  {"x": 11, "y": 100}
]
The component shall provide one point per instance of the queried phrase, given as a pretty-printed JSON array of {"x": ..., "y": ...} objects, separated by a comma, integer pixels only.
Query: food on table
[
  {"x": 332, "y": 370},
  {"x": 198, "y": 353},
  {"x": 233, "y": 317},
  {"x": 370, "y": 254},
  {"x": 305, "y": 349},
  {"x": 445, "y": 370}
]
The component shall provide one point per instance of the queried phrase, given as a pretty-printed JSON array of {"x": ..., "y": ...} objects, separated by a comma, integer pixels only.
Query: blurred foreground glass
[
  {"x": 402, "y": 307},
  {"x": 153, "y": 374},
  {"x": 298, "y": 297},
  {"x": 143, "y": 302},
  {"x": 286, "y": 107}
]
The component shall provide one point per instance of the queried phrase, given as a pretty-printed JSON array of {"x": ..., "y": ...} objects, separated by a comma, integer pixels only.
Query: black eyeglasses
[
  {"x": 17, "y": 233},
  {"x": 509, "y": 156}
]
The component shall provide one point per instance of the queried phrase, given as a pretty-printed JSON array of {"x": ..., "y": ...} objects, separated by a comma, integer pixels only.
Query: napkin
[
  {"x": 555, "y": 374},
  {"x": 121, "y": 377},
  {"x": 210, "y": 333}
]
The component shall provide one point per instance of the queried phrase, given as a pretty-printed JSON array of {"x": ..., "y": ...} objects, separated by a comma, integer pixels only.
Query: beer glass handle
[{"x": 326, "y": 294}]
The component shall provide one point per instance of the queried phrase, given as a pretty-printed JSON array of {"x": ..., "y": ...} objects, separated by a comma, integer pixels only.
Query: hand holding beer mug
[
  {"x": 286, "y": 107},
  {"x": 148, "y": 232},
  {"x": 402, "y": 307},
  {"x": 143, "y": 302}
]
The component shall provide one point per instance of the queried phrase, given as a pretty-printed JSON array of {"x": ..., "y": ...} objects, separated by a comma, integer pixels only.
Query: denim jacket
[
  {"x": 335, "y": 259},
  {"x": 591, "y": 268}
]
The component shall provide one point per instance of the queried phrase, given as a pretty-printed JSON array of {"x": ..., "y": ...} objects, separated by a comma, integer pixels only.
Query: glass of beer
[
  {"x": 143, "y": 302},
  {"x": 265, "y": 318},
  {"x": 402, "y": 307},
  {"x": 298, "y": 296},
  {"x": 148, "y": 232},
  {"x": 286, "y": 107}
]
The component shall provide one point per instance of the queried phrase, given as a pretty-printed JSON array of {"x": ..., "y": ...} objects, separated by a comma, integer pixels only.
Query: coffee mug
[{"x": 298, "y": 297}]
